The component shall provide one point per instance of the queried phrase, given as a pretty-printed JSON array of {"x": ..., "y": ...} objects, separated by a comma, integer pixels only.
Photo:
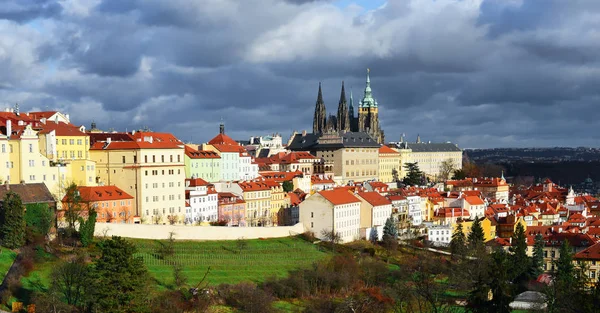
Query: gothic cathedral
[{"x": 345, "y": 121}]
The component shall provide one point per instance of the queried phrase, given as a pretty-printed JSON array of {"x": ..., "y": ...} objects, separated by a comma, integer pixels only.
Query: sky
[{"x": 493, "y": 73}]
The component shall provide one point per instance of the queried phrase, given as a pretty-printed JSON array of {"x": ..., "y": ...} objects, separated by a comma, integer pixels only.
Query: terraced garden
[{"x": 229, "y": 262}]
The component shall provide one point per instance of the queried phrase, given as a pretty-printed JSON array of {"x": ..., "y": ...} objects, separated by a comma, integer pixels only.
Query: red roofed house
[
  {"x": 390, "y": 164},
  {"x": 336, "y": 210},
  {"x": 202, "y": 164},
  {"x": 232, "y": 209},
  {"x": 578, "y": 242},
  {"x": 112, "y": 204},
  {"x": 202, "y": 200},
  {"x": 375, "y": 209},
  {"x": 590, "y": 259},
  {"x": 236, "y": 162}
]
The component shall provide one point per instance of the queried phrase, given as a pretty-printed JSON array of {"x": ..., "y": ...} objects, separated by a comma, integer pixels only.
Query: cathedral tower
[
  {"x": 368, "y": 113},
  {"x": 343, "y": 118},
  {"x": 320, "y": 118}
]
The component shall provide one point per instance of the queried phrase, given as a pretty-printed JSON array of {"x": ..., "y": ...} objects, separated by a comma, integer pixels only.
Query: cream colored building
[
  {"x": 335, "y": 210},
  {"x": 354, "y": 155},
  {"x": 147, "y": 165},
  {"x": 429, "y": 156},
  {"x": 390, "y": 163}
]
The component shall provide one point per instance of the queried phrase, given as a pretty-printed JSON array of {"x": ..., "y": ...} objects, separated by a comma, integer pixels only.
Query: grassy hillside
[{"x": 255, "y": 262}]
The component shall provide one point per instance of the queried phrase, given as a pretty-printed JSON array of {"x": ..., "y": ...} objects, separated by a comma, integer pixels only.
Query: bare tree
[
  {"x": 156, "y": 219},
  {"x": 173, "y": 219},
  {"x": 446, "y": 169},
  {"x": 126, "y": 214}
]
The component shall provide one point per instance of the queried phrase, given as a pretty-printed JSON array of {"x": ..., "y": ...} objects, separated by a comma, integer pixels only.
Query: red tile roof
[
  {"x": 228, "y": 148},
  {"x": 254, "y": 186},
  {"x": 294, "y": 199},
  {"x": 591, "y": 253},
  {"x": 101, "y": 193},
  {"x": 200, "y": 154},
  {"x": 338, "y": 196},
  {"x": 472, "y": 200},
  {"x": 452, "y": 212},
  {"x": 374, "y": 198},
  {"x": 142, "y": 140},
  {"x": 195, "y": 182},
  {"x": 280, "y": 177},
  {"x": 315, "y": 180},
  {"x": 222, "y": 139},
  {"x": 387, "y": 150},
  {"x": 61, "y": 129}
]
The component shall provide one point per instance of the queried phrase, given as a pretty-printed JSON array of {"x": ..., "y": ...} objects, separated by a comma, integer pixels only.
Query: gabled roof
[
  {"x": 254, "y": 186},
  {"x": 195, "y": 182},
  {"x": 223, "y": 148},
  {"x": 339, "y": 196},
  {"x": 374, "y": 198},
  {"x": 101, "y": 193},
  {"x": 29, "y": 193},
  {"x": 61, "y": 129}
]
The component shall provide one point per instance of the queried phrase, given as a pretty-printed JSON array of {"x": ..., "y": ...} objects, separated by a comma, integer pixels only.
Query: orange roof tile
[
  {"x": 254, "y": 186},
  {"x": 374, "y": 198},
  {"x": 61, "y": 129},
  {"x": 195, "y": 182},
  {"x": 222, "y": 139},
  {"x": 591, "y": 253},
  {"x": 472, "y": 200},
  {"x": 338, "y": 196},
  {"x": 387, "y": 150},
  {"x": 101, "y": 193},
  {"x": 200, "y": 154}
]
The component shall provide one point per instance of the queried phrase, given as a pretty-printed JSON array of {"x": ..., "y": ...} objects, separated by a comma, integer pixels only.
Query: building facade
[
  {"x": 389, "y": 164},
  {"x": 202, "y": 205},
  {"x": 202, "y": 164}
]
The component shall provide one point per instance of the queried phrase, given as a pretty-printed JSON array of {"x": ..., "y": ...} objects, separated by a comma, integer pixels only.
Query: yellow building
[
  {"x": 589, "y": 260},
  {"x": 389, "y": 164},
  {"x": 258, "y": 202},
  {"x": 147, "y": 165},
  {"x": 489, "y": 230},
  {"x": 278, "y": 199},
  {"x": 64, "y": 142}
]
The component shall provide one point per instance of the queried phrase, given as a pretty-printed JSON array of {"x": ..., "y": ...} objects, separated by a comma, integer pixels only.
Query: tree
[
  {"x": 12, "y": 221},
  {"x": 120, "y": 279},
  {"x": 87, "y": 228},
  {"x": 458, "y": 242},
  {"x": 288, "y": 186},
  {"x": 71, "y": 279},
  {"x": 499, "y": 284},
  {"x": 476, "y": 237},
  {"x": 389, "y": 229},
  {"x": 38, "y": 218},
  {"x": 73, "y": 208},
  {"x": 395, "y": 175},
  {"x": 459, "y": 174},
  {"x": 173, "y": 219},
  {"x": 519, "y": 260},
  {"x": 446, "y": 167},
  {"x": 414, "y": 176},
  {"x": 537, "y": 261},
  {"x": 373, "y": 235}
]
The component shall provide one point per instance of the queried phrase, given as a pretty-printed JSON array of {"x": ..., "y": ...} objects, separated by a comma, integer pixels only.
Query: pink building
[{"x": 232, "y": 209}]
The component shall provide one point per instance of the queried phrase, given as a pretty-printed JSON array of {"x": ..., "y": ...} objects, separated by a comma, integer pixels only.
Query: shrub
[
  {"x": 246, "y": 297},
  {"x": 218, "y": 223}
]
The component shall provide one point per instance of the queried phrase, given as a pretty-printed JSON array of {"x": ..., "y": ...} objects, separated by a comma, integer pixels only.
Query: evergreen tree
[
  {"x": 565, "y": 270},
  {"x": 87, "y": 228},
  {"x": 12, "y": 221},
  {"x": 414, "y": 176},
  {"x": 476, "y": 237},
  {"x": 374, "y": 235},
  {"x": 537, "y": 261},
  {"x": 519, "y": 260},
  {"x": 389, "y": 229},
  {"x": 457, "y": 244},
  {"x": 288, "y": 186},
  {"x": 38, "y": 218},
  {"x": 120, "y": 279},
  {"x": 502, "y": 293},
  {"x": 73, "y": 208}
]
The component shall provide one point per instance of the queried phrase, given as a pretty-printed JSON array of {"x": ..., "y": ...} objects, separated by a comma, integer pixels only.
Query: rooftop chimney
[{"x": 8, "y": 128}]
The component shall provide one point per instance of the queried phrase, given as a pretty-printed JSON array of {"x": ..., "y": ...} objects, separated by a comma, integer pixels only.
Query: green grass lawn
[
  {"x": 257, "y": 261},
  {"x": 7, "y": 257}
]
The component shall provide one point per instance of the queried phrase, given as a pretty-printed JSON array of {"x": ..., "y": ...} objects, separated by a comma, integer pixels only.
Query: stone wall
[{"x": 143, "y": 231}]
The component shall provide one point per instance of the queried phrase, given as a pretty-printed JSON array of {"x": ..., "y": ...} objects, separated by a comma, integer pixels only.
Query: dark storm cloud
[
  {"x": 505, "y": 73},
  {"x": 25, "y": 10}
]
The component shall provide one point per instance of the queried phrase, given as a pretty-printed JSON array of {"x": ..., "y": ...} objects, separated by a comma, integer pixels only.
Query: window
[
  {"x": 123, "y": 159},
  {"x": 71, "y": 141},
  {"x": 312, "y": 225},
  {"x": 312, "y": 214},
  {"x": 30, "y": 148},
  {"x": 3, "y": 148},
  {"x": 145, "y": 159},
  {"x": 135, "y": 159},
  {"x": 79, "y": 142},
  {"x": 178, "y": 160},
  {"x": 153, "y": 159},
  {"x": 162, "y": 158},
  {"x": 64, "y": 141},
  {"x": 171, "y": 158}
]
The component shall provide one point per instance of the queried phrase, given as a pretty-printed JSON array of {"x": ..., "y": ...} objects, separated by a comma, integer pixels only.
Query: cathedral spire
[
  {"x": 320, "y": 117},
  {"x": 343, "y": 119},
  {"x": 368, "y": 100},
  {"x": 343, "y": 95}
]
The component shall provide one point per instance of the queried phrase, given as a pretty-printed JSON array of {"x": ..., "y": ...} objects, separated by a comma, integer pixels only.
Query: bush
[
  {"x": 38, "y": 218},
  {"x": 218, "y": 223},
  {"x": 246, "y": 297}
]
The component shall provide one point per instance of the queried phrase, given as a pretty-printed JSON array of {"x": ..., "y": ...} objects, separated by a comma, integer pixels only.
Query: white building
[
  {"x": 439, "y": 235},
  {"x": 267, "y": 146},
  {"x": 335, "y": 210},
  {"x": 429, "y": 156},
  {"x": 415, "y": 213},
  {"x": 202, "y": 200},
  {"x": 248, "y": 169}
]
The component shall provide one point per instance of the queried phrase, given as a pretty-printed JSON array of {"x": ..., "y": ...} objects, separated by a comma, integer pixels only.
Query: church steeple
[
  {"x": 320, "y": 117},
  {"x": 368, "y": 100},
  {"x": 343, "y": 119}
]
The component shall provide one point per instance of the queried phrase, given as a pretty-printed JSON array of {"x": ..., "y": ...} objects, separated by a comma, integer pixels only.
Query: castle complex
[{"x": 345, "y": 120}]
